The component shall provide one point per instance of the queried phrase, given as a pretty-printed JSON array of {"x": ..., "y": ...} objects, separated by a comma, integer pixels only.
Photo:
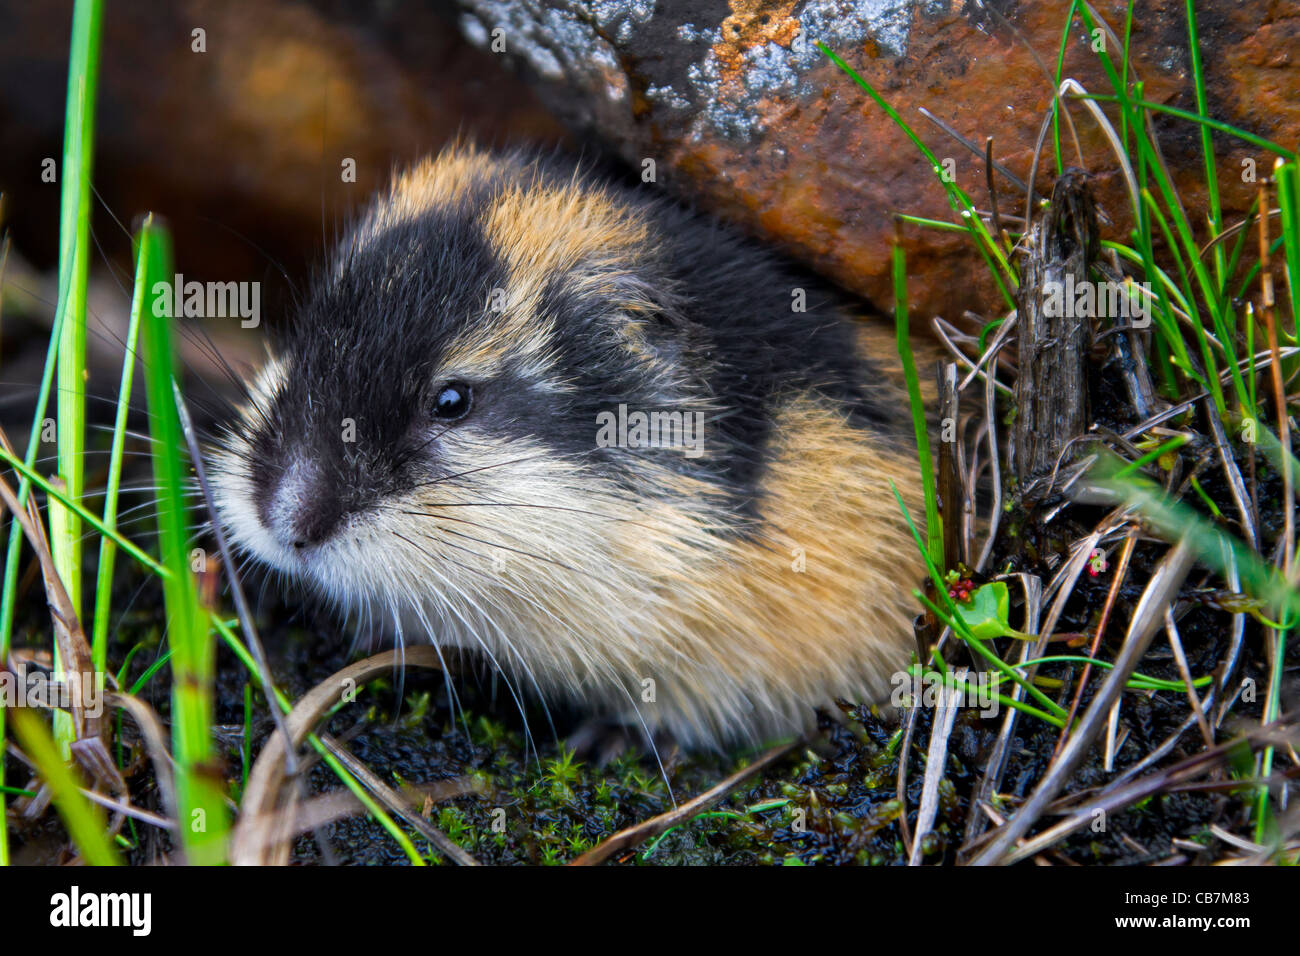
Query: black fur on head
[{"x": 669, "y": 311}]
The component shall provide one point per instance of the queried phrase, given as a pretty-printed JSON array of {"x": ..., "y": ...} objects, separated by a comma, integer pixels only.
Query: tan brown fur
[
  {"x": 731, "y": 631},
  {"x": 582, "y": 590}
]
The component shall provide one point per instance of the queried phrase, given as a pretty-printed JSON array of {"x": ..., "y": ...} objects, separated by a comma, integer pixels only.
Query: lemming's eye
[{"x": 453, "y": 402}]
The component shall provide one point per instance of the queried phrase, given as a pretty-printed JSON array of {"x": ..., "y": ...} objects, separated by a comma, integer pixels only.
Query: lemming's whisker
[
  {"x": 111, "y": 400},
  {"x": 203, "y": 341},
  {"x": 441, "y": 505},
  {"x": 434, "y": 567},
  {"x": 142, "y": 488},
  {"x": 594, "y": 657},
  {"x": 85, "y": 453},
  {"x": 505, "y": 547},
  {"x": 649, "y": 738},
  {"x": 648, "y": 735},
  {"x": 266, "y": 583},
  {"x": 137, "y": 536},
  {"x": 124, "y": 512},
  {"x": 399, "y": 665},
  {"x": 481, "y": 468},
  {"x": 130, "y": 603},
  {"x": 520, "y": 504},
  {"x": 129, "y": 432},
  {"x": 414, "y": 452},
  {"x": 453, "y": 697},
  {"x": 487, "y": 618}
]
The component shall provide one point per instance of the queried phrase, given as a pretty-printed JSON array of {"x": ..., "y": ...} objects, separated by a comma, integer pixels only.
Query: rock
[
  {"x": 239, "y": 147},
  {"x": 742, "y": 113}
]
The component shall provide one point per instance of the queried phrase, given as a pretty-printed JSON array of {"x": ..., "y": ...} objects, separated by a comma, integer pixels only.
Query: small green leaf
[{"x": 988, "y": 611}]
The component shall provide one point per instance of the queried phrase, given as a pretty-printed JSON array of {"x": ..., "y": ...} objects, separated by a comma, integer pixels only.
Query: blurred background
[{"x": 239, "y": 145}]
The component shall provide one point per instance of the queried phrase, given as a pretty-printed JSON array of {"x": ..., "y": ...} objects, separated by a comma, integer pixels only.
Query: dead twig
[
  {"x": 1163, "y": 588},
  {"x": 1180, "y": 660},
  {"x": 904, "y": 753},
  {"x": 953, "y": 493},
  {"x": 635, "y": 835},
  {"x": 1279, "y": 390},
  {"x": 75, "y": 659},
  {"x": 1125, "y": 792},
  {"x": 394, "y": 801},
  {"x": 261, "y": 834},
  {"x": 1051, "y": 385},
  {"x": 1121, "y": 571},
  {"x": 318, "y": 811},
  {"x": 936, "y": 756}
]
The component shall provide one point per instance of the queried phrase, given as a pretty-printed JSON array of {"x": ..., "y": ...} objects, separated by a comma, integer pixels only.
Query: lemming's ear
[
  {"x": 636, "y": 291},
  {"x": 648, "y": 310},
  {"x": 647, "y": 316}
]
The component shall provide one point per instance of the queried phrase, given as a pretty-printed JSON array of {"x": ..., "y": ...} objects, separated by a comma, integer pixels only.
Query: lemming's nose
[
  {"x": 316, "y": 520},
  {"x": 302, "y": 511}
]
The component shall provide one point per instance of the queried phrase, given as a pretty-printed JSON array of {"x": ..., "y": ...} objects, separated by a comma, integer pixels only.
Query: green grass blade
[
  {"x": 84, "y": 820},
  {"x": 1207, "y": 145},
  {"x": 74, "y": 267},
  {"x": 1060, "y": 76},
  {"x": 989, "y": 248},
  {"x": 34, "y": 477},
  {"x": 147, "y": 255},
  {"x": 1124, "y": 72},
  {"x": 78, "y": 146},
  {"x": 933, "y": 524},
  {"x": 203, "y": 825},
  {"x": 1174, "y": 521},
  {"x": 1287, "y": 177},
  {"x": 1241, "y": 134}
]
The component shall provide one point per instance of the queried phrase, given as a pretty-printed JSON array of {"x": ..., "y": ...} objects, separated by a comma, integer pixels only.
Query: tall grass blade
[
  {"x": 146, "y": 259},
  {"x": 933, "y": 524},
  {"x": 84, "y": 820},
  {"x": 74, "y": 262},
  {"x": 202, "y": 825},
  {"x": 67, "y": 338}
]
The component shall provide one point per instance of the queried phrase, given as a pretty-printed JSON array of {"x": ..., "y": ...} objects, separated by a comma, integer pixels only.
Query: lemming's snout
[{"x": 301, "y": 511}]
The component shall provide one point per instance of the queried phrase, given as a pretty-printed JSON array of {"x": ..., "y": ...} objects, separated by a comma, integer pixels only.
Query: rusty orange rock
[{"x": 742, "y": 113}]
